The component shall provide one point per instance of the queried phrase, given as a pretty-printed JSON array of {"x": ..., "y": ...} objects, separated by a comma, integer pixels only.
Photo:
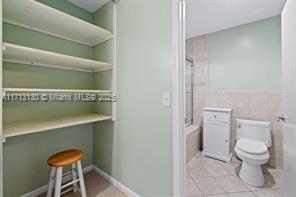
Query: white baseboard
[
  {"x": 115, "y": 182},
  {"x": 43, "y": 189},
  {"x": 107, "y": 177}
]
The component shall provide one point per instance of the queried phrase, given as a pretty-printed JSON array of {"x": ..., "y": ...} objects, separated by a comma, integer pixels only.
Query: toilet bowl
[
  {"x": 253, "y": 154},
  {"x": 253, "y": 140}
]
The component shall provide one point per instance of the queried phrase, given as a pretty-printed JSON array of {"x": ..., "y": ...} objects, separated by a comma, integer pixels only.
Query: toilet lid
[{"x": 251, "y": 146}]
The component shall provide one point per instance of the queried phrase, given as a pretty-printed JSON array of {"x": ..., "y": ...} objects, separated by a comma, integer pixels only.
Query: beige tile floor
[
  {"x": 96, "y": 186},
  {"x": 208, "y": 177}
]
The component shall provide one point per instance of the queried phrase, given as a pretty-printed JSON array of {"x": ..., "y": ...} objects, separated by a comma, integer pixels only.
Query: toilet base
[{"x": 251, "y": 174}]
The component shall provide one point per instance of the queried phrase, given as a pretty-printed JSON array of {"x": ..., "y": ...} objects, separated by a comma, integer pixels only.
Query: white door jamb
[{"x": 178, "y": 95}]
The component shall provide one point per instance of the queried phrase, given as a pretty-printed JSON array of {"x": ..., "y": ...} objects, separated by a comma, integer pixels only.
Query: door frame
[
  {"x": 178, "y": 97},
  {"x": 1, "y": 127},
  {"x": 287, "y": 32}
]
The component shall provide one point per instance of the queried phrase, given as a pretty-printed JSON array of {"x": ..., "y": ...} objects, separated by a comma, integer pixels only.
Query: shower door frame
[{"x": 191, "y": 81}]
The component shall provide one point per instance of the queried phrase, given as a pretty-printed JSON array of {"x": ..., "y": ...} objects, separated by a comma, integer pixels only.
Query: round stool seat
[{"x": 65, "y": 158}]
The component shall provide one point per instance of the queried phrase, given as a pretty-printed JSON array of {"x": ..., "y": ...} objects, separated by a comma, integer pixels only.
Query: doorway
[{"x": 223, "y": 177}]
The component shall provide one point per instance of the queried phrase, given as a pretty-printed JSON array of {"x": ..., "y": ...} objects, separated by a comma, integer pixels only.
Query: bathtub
[{"x": 193, "y": 141}]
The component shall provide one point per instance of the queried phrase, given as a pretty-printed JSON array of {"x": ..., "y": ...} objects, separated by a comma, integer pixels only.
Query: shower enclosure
[{"x": 189, "y": 91}]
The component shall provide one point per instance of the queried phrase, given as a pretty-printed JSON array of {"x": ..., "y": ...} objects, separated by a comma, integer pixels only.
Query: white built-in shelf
[
  {"x": 36, "y": 16},
  {"x": 25, "y": 55},
  {"x": 33, "y": 126},
  {"x": 36, "y": 90}
]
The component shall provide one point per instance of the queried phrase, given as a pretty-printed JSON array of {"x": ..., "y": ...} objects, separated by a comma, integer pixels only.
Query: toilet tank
[{"x": 254, "y": 130}]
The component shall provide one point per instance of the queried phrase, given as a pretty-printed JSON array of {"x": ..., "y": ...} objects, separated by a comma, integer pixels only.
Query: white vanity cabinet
[{"x": 216, "y": 133}]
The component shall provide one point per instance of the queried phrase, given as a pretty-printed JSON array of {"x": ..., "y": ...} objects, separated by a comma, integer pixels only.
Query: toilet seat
[
  {"x": 252, "y": 151},
  {"x": 252, "y": 158},
  {"x": 252, "y": 146}
]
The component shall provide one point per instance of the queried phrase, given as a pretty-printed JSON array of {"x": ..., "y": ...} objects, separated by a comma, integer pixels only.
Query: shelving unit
[
  {"x": 33, "y": 126},
  {"x": 54, "y": 59},
  {"x": 36, "y": 16},
  {"x": 31, "y": 14},
  {"x": 25, "y": 55},
  {"x": 31, "y": 90}
]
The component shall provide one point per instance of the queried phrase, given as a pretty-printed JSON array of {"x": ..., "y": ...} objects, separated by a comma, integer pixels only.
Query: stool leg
[
  {"x": 81, "y": 180},
  {"x": 58, "y": 182},
  {"x": 51, "y": 182},
  {"x": 74, "y": 176}
]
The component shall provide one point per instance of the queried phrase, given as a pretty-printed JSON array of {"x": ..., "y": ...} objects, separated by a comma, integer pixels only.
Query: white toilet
[{"x": 253, "y": 140}]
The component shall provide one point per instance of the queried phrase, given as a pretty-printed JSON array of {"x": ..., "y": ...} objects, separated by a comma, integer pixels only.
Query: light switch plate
[{"x": 166, "y": 98}]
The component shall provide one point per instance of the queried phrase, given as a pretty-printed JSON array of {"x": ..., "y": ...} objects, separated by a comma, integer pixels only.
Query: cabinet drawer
[{"x": 216, "y": 116}]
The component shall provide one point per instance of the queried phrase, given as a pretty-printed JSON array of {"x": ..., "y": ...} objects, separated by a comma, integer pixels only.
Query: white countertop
[{"x": 217, "y": 109}]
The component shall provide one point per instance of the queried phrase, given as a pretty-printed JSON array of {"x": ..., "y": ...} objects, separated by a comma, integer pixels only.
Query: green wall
[
  {"x": 65, "y": 6},
  {"x": 103, "y": 17},
  {"x": 137, "y": 150},
  {"x": 25, "y": 157},
  {"x": 247, "y": 57},
  {"x": 21, "y": 36},
  {"x": 25, "y": 167}
]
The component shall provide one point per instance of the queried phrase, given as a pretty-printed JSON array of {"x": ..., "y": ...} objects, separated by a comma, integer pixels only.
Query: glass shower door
[{"x": 189, "y": 93}]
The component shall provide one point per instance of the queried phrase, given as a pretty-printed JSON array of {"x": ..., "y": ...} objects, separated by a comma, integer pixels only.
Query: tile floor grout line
[
  {"x": 212, "y": 194},
  {"x": 244, "y": 184},
  {"x": 254, "y": 193},
  {"x": 220, "y": 185},
  {"x": 241, "y": 184},
  {"x": 229, "y": 169}
]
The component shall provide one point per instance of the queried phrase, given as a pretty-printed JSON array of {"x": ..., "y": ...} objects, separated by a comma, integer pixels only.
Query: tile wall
[
  {"x": 256, "y": 105},
  {"x": 193, "y": 142}
]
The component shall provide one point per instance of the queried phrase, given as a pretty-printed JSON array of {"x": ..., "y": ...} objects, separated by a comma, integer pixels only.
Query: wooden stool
[{"x": 57, "y": 162}]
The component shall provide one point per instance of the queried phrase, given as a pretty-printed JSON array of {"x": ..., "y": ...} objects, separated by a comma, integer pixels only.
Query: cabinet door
[{"x": 216, "y": 138}]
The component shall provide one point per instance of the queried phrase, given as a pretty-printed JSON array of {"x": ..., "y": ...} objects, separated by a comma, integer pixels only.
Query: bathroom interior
[{"x": 234, "y": 143}]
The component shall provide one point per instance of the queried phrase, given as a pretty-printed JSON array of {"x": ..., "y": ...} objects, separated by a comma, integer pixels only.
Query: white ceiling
[
  {"x": 208, "y": 16},
  {"x": 89, "y": 5}
]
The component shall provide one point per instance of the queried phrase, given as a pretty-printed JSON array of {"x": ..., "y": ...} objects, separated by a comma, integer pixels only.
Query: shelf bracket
[
  {"x": 3, "y": 139},
  {"x": 3, "y": 47}
]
